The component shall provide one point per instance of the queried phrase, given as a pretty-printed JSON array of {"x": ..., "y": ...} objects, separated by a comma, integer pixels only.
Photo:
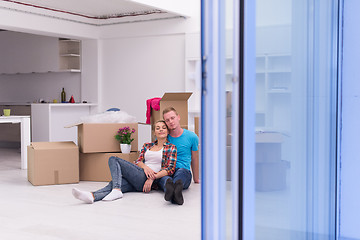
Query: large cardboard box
[
  {"x": 53, "y": 163},
  {"x": 100, "y": 137},
  {"x": 179, "y": 101},
  {"x": 95, "y": 167}
]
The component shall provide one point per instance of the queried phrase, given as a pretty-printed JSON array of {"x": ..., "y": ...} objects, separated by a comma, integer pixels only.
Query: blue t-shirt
[{"x": 187, "y": 142}]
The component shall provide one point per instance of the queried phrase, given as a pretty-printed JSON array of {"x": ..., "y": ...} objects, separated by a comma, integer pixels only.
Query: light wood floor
[{"x": 51, "y": 212}]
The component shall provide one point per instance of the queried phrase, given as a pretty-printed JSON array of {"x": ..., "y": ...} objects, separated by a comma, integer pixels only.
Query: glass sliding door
[
  {"x": 220, "y": 120},
  {"x": 295, "y": 112},
  {"x": 269, "y": 86}
]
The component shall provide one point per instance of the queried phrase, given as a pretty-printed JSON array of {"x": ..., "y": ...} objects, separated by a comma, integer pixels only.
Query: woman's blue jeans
[
  {"x": 125, "y": 175},
  {"x": 180, "y": 174}
]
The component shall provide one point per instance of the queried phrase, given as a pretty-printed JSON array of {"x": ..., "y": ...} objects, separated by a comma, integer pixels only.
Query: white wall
[
  {"x": 135, "y": 69},
  {"x": 143, "y": 60},
  {"x": 90, "y": 75},
  {"x": 274, "y": 12},
  {"x": 350, "y": 125}
]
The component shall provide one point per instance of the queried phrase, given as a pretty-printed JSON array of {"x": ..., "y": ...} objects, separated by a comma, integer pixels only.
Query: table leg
[{"x": 25, "y": 140}]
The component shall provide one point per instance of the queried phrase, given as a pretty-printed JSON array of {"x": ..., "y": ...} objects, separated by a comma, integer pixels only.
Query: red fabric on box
[{"x": 153, "y": 103}]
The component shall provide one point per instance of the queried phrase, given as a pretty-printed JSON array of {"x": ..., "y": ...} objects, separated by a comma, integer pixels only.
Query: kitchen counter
[
  {"x": 66, "y": 104},
  {"x": 52, "y": 104},
  {"x": 9, "y": 132},
  {"x": 15, "y": 103},
  {"x": 49, "y": 120}
]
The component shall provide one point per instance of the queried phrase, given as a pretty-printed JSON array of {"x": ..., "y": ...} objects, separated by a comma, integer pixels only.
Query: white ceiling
[{"x": 96, "y": 12}]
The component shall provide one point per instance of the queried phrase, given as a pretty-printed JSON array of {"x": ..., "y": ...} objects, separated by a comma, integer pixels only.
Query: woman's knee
[{"x": 112, "y": 159}]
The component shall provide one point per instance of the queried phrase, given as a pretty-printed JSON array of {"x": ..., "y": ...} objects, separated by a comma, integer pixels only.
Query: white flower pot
[{"x": 125, "y": 148}]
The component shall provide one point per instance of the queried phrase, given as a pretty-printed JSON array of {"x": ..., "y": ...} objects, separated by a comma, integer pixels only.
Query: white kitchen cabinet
[
  {"x": 49, "y": 120},
  {"x": 27, "y": 53},
  {"x": 30, "y": 53},
  {"x": 69, "y": 55}
]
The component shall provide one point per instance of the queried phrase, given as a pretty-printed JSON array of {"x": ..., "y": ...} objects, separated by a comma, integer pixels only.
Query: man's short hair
[{"x": 169, "y": 109}]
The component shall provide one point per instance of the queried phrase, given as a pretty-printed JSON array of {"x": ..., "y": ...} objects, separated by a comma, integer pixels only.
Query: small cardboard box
[
  {"x": 95, "y": 167},
  {"x": 53, "y": 163},
  {"x": 179, "y": 101},
  {"x": 100, "y": 137},
  {"x": 268, "y": 146}
]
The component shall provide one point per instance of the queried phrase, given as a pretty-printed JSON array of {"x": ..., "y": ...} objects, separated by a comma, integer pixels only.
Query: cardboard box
[
  {"x": 179, "y": 101},
  {"x": 95, "y": 167},
  {"x": 268, "y": 146},
  {"x": 197, "y": 126},
  {"x": 100, "y": 137},
  {"x": 53, "y": 163}
]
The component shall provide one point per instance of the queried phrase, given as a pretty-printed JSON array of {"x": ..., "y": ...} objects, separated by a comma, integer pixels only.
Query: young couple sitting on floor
[{"x": 163, "y": 164}]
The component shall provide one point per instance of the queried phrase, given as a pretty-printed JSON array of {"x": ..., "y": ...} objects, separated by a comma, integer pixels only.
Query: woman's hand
[
  {"x": 147, "y": 185},
  {"x": 149, "y": 172}
]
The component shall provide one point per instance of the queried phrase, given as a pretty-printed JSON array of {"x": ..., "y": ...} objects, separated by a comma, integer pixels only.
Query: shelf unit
[
  {"x": 69, "y": 55},
  {"x": 193, "y": 83},
  {"x": 273, "y": 92}
]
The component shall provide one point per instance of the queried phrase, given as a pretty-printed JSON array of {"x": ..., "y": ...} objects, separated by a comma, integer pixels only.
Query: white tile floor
[{"x": 51, "y": 212}]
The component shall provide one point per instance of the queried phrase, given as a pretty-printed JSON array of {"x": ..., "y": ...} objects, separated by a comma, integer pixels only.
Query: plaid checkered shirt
[{"x": 169, "y": 155}]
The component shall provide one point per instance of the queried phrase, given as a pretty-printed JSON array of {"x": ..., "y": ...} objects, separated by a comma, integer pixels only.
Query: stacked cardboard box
[
  {"x": 97, "y": 144},
  {"x": 60, "y": 162},
  {"x": 179, "y": 101},
  {"x": 94, "y": 166},
  {"x": 99, "y": 137}
]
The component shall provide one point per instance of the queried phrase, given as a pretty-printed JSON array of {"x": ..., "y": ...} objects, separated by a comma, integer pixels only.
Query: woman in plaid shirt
[{"x": 157, "y": 159}]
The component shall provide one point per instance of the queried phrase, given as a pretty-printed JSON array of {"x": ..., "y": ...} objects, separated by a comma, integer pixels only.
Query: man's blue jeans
[
  {"x": 180, "y": 174},
  {"x": 125, "y": 175}
]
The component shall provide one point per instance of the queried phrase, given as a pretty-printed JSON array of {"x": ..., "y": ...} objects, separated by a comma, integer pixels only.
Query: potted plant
[{"x": 123, "y": 135}]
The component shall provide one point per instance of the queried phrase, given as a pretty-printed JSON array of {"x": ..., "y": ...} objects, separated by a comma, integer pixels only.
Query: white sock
[
  {"x": 83, "y": 195},
  {"x": 113, "y": 195}
]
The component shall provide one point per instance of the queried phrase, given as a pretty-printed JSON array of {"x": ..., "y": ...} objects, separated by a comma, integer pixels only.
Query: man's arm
[{"x": 195, "y": 165}]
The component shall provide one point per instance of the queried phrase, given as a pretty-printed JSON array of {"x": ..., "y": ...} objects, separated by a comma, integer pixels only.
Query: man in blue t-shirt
[{"x": 186, "y": 143}]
